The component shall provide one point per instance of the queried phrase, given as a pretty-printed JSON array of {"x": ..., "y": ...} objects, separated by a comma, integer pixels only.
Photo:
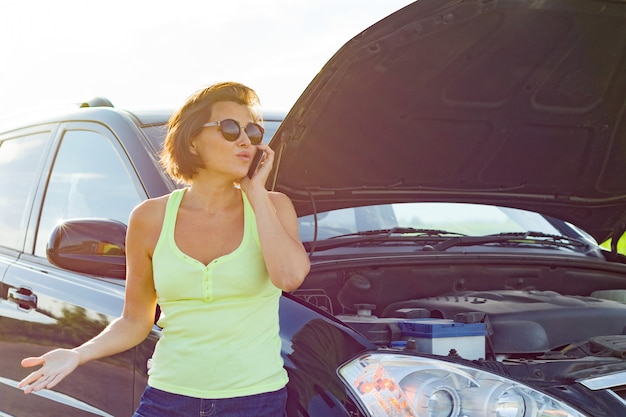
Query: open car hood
[{"x": 513, "y": 103}]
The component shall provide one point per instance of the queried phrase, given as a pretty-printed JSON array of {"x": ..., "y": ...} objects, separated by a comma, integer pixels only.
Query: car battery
[
  {"x": 380, "y": 331},
  {"x": 445, "y": 337}
]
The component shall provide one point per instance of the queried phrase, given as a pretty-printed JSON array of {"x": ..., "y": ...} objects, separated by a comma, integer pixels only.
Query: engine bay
[{"x": 516, "y": 311}]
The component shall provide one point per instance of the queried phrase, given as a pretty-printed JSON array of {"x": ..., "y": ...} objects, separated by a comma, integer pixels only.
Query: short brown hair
[{"x": 187, "y": 121}]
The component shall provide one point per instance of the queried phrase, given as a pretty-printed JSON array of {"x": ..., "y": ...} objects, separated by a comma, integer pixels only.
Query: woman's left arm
[
  {"x": 277, "y": 223},
  {"x": 285, "y": 258}
]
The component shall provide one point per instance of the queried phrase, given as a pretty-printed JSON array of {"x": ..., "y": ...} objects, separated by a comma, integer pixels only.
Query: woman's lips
[{"x": 244, "y": 155}]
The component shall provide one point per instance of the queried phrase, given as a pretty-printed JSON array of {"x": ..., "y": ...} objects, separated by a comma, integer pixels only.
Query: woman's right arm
[{"x": 137, "y": 318}]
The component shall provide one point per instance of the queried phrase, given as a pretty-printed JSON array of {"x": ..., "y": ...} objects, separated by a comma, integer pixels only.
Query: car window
[
  {"x": 89, "y": 179},
  {"x": 19, "y": 158},
  {"x": 270, "y": 126}
]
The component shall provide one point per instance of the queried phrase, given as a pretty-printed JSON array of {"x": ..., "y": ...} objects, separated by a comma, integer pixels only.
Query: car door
[
  {"x": 90, "y": 175},
  {"x": 21, "y": 158}
]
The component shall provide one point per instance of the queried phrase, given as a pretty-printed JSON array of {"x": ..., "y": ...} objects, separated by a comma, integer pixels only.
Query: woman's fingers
[
  {"x": 31, "y": 378},
  {"x": 33, "y": 382},
  {"x": 56, "y": 366}
]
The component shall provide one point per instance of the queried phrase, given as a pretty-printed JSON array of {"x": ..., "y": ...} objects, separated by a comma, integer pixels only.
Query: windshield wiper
[
  {"x": 392, "y": 234},
  {"x": 517, "y": 238},
  {"x": 400, "y": 231}
]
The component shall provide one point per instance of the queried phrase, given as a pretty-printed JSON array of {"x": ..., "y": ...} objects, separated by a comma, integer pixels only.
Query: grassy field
[{"x": 621, "y": 244}]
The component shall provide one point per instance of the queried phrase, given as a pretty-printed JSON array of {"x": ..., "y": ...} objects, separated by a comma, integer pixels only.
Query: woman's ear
[{"x": 192, "y": 148}]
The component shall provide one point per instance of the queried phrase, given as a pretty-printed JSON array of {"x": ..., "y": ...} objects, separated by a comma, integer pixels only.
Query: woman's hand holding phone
[
  {"x": 256, "y": 161},
  {"x": 258, "y": 170}
]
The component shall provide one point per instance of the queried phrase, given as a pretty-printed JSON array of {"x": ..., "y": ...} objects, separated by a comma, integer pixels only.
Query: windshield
[{"x": 466, "y": 219}]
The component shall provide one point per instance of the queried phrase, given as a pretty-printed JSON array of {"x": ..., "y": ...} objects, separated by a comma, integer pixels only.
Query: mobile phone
[{"x": 256, "y": 161}]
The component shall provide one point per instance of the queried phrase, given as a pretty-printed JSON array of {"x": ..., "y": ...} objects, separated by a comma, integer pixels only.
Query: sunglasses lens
[
  {"x": 255, "y": 133},
  {"x": 230, "y": 129}
]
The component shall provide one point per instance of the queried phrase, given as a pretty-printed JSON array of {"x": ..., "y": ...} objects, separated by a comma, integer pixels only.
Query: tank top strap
[
  {"x": 249, "y": 220},
  {"x": 171, "y": 212}
]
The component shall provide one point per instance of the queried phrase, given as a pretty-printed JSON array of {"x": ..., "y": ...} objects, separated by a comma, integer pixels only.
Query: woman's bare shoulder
[
  {"x": 150, "y": 211},
  {"x": 146, "y": 221}
]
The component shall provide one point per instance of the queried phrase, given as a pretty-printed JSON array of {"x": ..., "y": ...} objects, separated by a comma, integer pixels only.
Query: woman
[{"x": 215, "y": 256}]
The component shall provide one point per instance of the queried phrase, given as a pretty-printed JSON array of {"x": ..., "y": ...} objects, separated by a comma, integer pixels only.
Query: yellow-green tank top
[{"x": 220, "y": 335}]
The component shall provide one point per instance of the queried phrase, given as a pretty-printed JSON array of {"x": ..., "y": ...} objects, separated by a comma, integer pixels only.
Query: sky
[{"x": 156, "y": 53}]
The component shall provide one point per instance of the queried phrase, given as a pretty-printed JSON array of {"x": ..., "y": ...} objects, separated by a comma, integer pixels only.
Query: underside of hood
[{"x": 514, "y": 103}]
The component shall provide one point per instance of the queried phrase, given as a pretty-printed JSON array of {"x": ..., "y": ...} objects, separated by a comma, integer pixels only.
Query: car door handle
[{"x": 23, "y": 297}]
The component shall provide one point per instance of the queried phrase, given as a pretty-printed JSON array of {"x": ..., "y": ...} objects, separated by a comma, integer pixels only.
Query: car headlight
[{"x": 406, "y": 386}]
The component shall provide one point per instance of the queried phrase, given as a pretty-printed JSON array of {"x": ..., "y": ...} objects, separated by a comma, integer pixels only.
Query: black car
[
  {"x": 91, "y": 162},
  {"x": 453, "y": 168}
]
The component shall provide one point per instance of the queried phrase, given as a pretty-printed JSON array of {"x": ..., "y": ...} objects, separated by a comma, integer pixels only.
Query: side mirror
[{"x": 89, "y": 246}]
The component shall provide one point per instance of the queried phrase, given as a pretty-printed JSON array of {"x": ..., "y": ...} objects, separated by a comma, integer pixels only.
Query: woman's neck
[{"x": 212, "y": 198}]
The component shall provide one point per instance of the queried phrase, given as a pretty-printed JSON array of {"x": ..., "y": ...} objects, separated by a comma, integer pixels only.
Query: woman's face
[{"x": 219, "y": 155}]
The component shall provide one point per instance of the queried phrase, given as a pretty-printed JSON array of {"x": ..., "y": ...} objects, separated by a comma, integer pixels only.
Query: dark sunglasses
[{"x": 231, "y": 129}]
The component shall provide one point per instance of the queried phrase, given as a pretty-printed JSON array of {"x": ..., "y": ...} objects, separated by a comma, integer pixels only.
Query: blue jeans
[{"x": 157, "y": 403}]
